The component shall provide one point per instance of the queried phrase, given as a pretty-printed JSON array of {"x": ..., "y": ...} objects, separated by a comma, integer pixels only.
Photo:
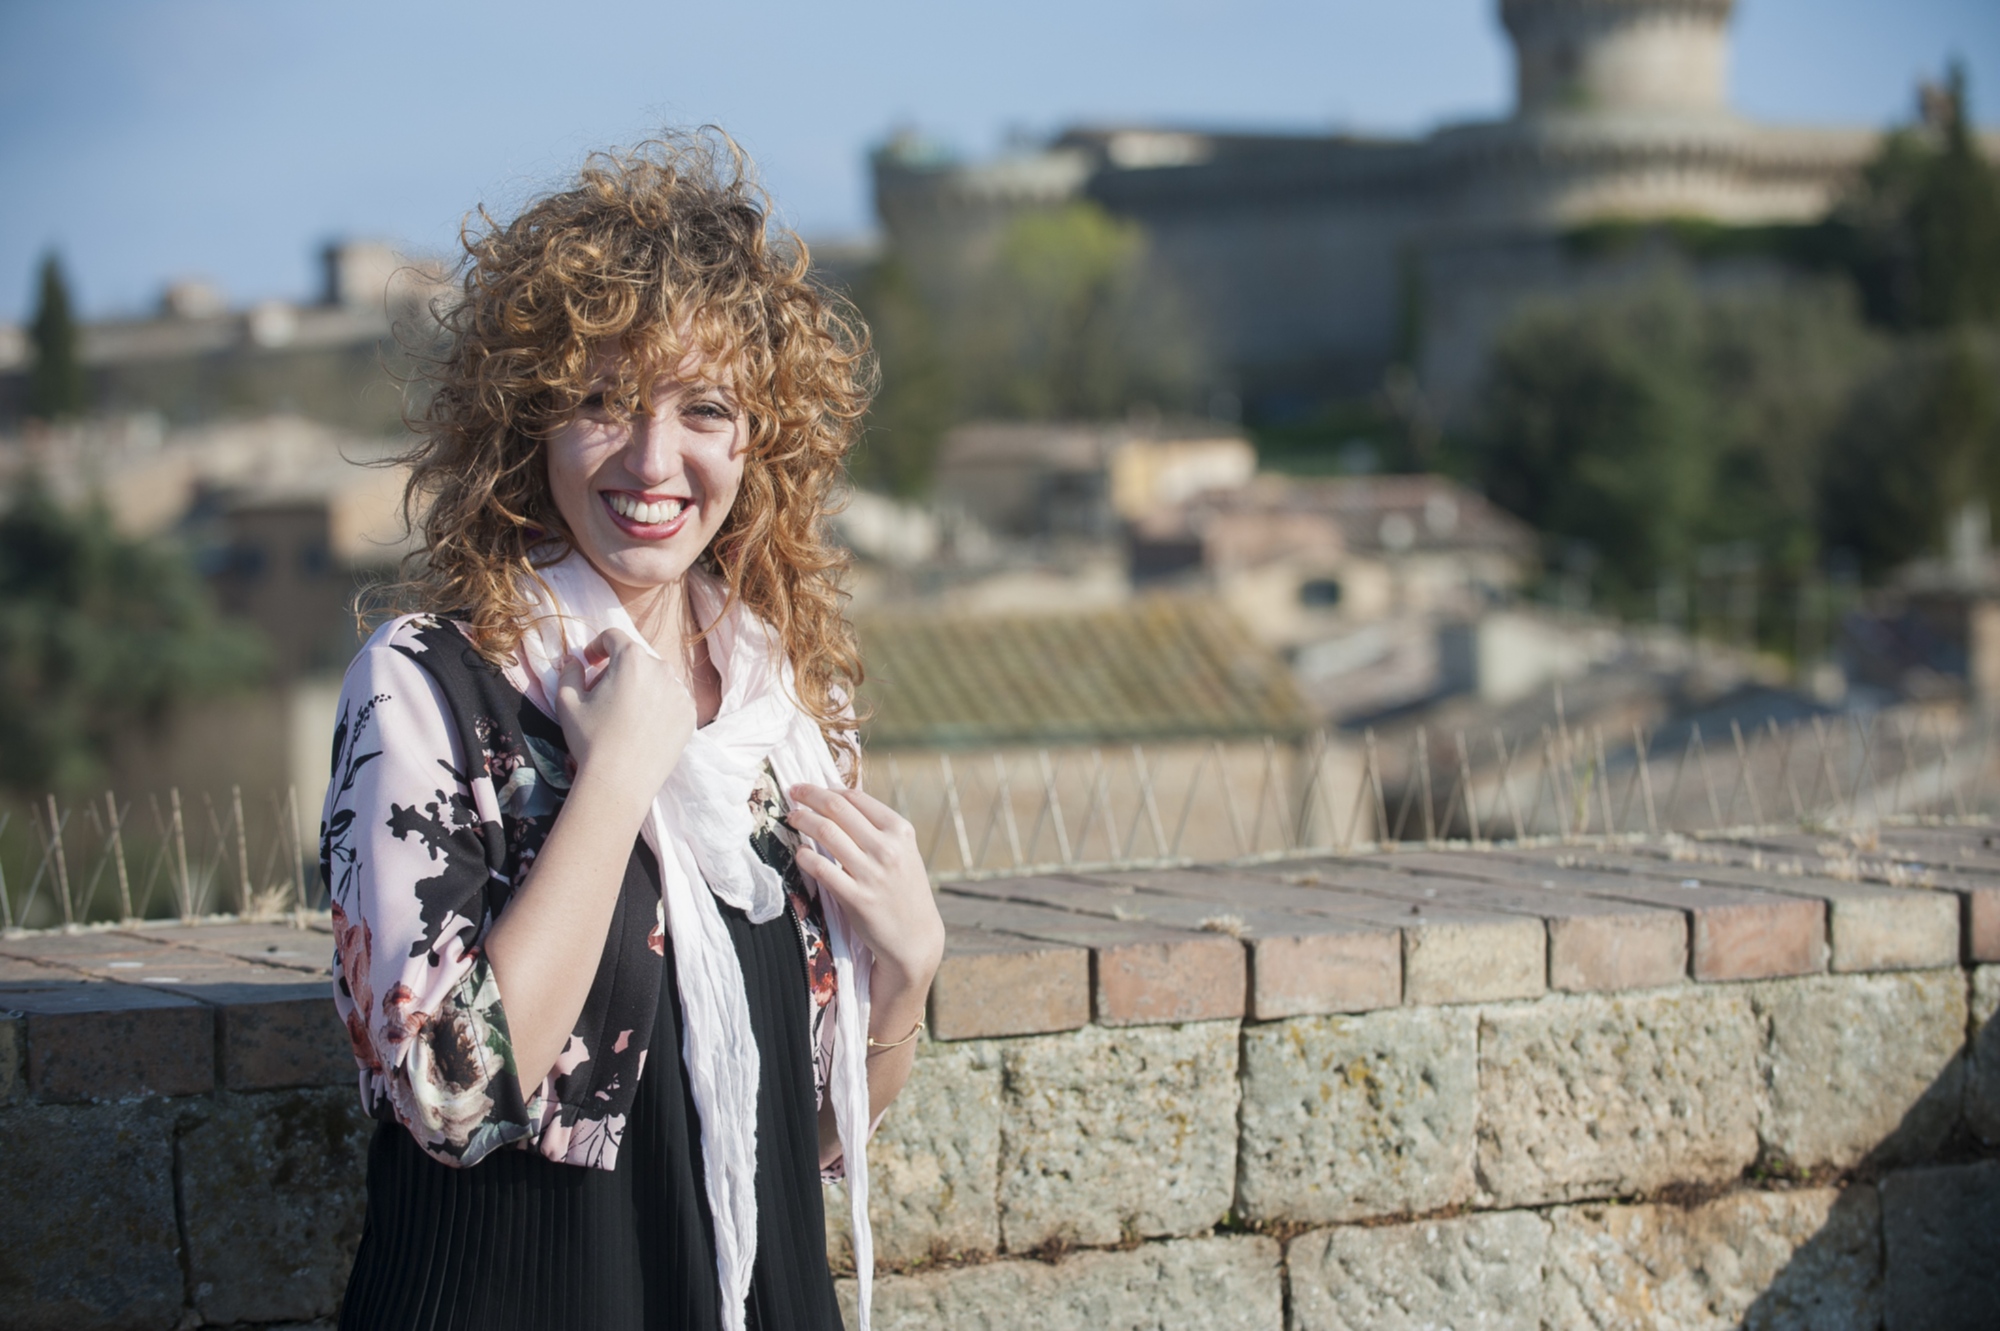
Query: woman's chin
[{"x": 637, "y": 571}]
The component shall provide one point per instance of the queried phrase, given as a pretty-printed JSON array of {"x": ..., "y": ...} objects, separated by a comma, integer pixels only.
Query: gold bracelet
[{"x": 915, "y": 1031}]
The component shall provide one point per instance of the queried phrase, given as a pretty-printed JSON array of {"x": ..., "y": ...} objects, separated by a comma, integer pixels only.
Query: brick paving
[{"x": 1047, "y": 953}]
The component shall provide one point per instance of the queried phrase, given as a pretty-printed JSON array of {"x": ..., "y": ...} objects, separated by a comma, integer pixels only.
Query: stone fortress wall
[
  {"x": 1752, "y": 1081},
  {"x": 1312, "y": 261}
]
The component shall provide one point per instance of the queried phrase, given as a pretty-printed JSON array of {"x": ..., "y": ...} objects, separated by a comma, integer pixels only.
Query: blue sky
[{"x": 230, "y": 138}]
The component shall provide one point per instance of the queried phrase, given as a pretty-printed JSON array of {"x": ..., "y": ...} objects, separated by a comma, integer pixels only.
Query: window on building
[{"x": 1319, "y": 593}]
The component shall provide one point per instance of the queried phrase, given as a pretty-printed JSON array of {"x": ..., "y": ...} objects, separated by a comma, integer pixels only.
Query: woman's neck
[{"x": 664, "y": 616}]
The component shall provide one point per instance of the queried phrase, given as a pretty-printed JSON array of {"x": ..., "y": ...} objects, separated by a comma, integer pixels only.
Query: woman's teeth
[{"x": 646, "y": 513}]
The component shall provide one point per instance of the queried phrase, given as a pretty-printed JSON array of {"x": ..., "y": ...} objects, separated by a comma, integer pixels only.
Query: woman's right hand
[{"x": 625, "y": 729}]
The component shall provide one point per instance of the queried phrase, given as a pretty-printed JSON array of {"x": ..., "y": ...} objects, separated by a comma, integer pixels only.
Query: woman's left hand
[{"x": 867, "y": 857}]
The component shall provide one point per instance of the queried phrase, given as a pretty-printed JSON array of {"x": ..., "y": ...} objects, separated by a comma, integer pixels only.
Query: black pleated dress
[{"x": 519, "y": 1241}]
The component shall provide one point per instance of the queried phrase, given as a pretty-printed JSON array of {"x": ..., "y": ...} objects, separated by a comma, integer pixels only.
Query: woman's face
[{"x": 643, "y": 497}]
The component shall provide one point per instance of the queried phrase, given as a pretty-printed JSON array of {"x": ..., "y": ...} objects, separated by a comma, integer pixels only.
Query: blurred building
[
  {"x": 286, "y": 519},
  {"x": 199, "y": 358},
  {"x": 1076, "y": 479},
  {"x": 1313, "y": 262},
  {"x": 1301, "y": 558},
  {"x": 1932, "y": 633}
]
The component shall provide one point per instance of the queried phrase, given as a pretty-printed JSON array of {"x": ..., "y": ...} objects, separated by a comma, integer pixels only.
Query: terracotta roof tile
[{"x": 1160, "y": 668}]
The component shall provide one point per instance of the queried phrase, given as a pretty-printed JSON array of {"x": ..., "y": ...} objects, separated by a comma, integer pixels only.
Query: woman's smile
[{"x": 645, "y": 518}]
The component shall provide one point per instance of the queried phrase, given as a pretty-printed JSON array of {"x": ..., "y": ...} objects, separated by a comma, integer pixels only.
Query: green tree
[
  {"x": 56, "y": 386},
  {"x": 917, "y": 400},
  {"x": 1920, "y": 439},
  {"x": 1070, "y": 321},
  {"x": 1065, "y": 318},
  {"x": 1922, "y": 229},
  {"x": 1646, "y": 424},
  {"x": 100, "y": 636}
]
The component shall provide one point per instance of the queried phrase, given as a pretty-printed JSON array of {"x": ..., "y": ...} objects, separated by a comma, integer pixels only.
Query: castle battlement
[
  {"x": 1294, "y": 250},
  {"x": 1627, "y": 55}
]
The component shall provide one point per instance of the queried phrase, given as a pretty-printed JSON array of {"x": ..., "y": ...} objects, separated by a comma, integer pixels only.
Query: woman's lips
[{"x": 644, "y": 531}]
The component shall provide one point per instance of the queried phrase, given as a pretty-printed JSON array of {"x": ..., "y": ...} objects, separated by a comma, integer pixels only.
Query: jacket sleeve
[{"x": 407, "y": 871}]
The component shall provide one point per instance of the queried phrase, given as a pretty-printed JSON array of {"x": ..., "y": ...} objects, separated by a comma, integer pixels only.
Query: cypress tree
[
  {"x": 1955, "y": 223},
  {"x": 1922, "y": 233},
  {"x": 56, "y": 386}
]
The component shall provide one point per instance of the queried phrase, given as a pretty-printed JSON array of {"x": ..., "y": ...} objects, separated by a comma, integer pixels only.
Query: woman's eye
[{"x": 593, "y": 404}]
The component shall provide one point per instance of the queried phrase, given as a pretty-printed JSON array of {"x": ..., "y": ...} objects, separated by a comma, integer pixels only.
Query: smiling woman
[
  {"x": 628, "y": 960},
  {"x": 643, "y": 495}
]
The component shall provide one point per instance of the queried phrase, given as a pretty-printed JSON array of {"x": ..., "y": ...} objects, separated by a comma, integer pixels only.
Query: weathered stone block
[
  {"x": 272, "y": 1192},
  {"x": 87, "y": 1234},
  {"x": 13, "y": 1058},
  {"x": 1604, "y": 1096},
  {"x": 1217, "y": 1284},
  {"x": 1982, "y": 1080},
  {"x": 1304, "y": 960},
  {"x": 1889, "y": 928},
  {"x": 1860, "y": 1065},
  {"x": 1452, "y": 952},
  {"x": 1151, "y": 980},
  {"x": 1981, "y": 906},
  {"x": 23, "y": 973},
  {"x": 1958, "y": 861},
  {"x": 1734, "y": 933},
  {"x": 1476, "y": 1271},
  {"x": 1869, "y": 926},
  {"x": 1350, "y": 1117},
  {"x": 1642, "y": 949},
  {"x": 1595, "y": 943},
  {"x": 283, "y": 944},
  {"x": 1109, "y": 1134},
  {"x": 933, "y": 1164},
  {"x": 1757, "y": 1260},
  {"x": 1141, "y": 974},
  {"x": 1457, "y": 959},
  {"x": 1301, "y": 963},
  {"x": 1941, "y": 1238},
  {"x": 1334, "y": 967},
  {"x": 113, "y": 1041},
  {"x": 991, "y": 984},
  {"x": 276, "y": 1036}
]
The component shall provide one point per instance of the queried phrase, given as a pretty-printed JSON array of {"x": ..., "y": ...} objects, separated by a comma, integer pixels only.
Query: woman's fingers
[
  {"x": 569, "y": 683},
  {"x": 835, "y": 805},
  {"x": 829, "y": 834},
  {"x": 876, "y": 812},
  {"x": 826, "y": 872},
  {"x": 604, "y": 646},
  {"x": 895, "y": 839}
]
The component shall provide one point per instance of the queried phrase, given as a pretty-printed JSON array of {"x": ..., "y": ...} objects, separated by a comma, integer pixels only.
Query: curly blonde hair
[{"x": 662, "y": 251}]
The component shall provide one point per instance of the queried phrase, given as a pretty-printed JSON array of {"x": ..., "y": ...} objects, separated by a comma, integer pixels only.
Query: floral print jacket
[{"x": 446, "y": 781}]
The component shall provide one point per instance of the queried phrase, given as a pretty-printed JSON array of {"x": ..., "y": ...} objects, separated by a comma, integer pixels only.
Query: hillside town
[{"x": 1427, "y": 698}]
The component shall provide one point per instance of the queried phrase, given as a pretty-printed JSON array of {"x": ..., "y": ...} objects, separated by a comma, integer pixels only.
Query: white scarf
[{"x": 700, "y": 827}]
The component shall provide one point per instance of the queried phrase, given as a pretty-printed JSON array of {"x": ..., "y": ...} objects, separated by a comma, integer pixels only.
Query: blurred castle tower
[
  {"x": 1645, "y": 56},
  {"x": 1316, "y": 261}
]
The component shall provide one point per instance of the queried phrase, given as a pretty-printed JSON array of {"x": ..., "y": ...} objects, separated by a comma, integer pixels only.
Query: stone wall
[{"x": 1748, "y": 1083}]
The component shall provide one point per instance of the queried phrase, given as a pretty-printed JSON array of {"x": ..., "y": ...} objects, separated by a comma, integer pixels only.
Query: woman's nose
[{"x": 654, "y": 454}]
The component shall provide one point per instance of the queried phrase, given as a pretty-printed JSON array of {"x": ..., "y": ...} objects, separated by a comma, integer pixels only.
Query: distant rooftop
[
  {"x": 1162, "y": 668},
  {"x": 1374, "y": 513}
]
